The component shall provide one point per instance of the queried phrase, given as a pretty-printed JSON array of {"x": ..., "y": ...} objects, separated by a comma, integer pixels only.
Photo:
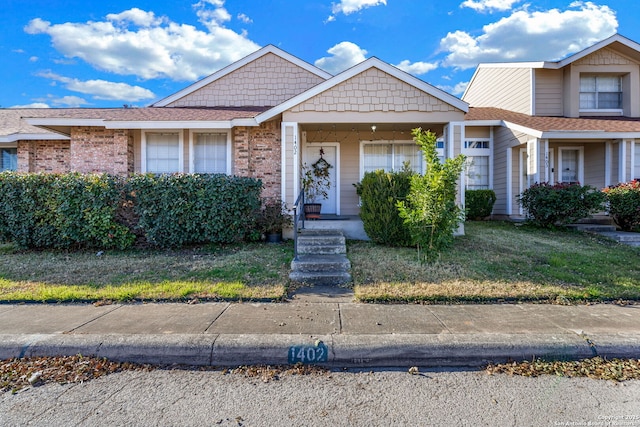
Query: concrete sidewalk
[{"x": 360, "y": 335}]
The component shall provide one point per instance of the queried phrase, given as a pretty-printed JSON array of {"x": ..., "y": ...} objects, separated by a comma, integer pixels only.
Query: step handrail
[{"x": 298, "y": 217}]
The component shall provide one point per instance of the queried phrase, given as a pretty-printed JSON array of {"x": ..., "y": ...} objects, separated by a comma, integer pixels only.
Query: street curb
[{"x": 397, "y": 350}]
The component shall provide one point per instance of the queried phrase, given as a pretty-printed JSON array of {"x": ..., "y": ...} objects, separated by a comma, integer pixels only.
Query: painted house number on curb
[{"x": 309, "y": 353}]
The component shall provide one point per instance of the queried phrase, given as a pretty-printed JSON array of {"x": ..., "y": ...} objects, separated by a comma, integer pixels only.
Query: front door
[{"x": 330, "y": 154}]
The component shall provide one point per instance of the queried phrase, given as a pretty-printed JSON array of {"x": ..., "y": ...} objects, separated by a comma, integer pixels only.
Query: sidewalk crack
[
  {"x": 592, "y": 345},
  {"x": 70, "y": 331},
  {"x": 217, "y": 317}
]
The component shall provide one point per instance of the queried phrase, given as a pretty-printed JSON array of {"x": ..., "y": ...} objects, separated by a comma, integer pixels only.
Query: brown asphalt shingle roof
[
  {"x": 11, "y": 120},
  {"x": 547, "y": 124}
]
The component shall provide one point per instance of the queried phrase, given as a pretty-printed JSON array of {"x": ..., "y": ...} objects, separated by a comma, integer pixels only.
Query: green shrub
[
  {"x": 61, "y": 211},
  {"x": 479, "y": 203},
  {"x": 624, "y": 204},
  {"x": 181, "y": 209},
  {"x": 430, "y": 211},
  {"x": 379, "y": 194},
  {"x": 547, "y": 205}
]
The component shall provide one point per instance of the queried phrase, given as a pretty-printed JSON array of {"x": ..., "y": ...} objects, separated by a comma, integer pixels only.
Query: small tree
[{"x": 430, "y": 211}]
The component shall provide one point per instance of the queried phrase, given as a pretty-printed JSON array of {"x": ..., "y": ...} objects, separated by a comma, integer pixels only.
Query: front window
[
  {"x": 600, "y": 93},
  {"x": 210, "y": 153},
  {"x": 391, "y": 157},
  {"x": 477, "y": 165},
  {"x": 8, "y": 159},
  {"x": 636, "y": 162},
  {"x": 163, "y": 152}
]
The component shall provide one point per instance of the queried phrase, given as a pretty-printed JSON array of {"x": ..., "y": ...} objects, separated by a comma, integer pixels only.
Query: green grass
[
  {"x": 498, "y": 261},
  {"x": 251, "y": 271}
]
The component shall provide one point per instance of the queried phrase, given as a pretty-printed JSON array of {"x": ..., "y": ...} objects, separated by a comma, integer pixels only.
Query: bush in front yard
[
  {"x": 479, "y": 203},
  {"x": 624, "y": 204},
  {"x": 547, "y": 205},
  {"x": 61, "y": 211},
  {"x": 379, "y": 193},
  {"x": 181, "y": 209}
]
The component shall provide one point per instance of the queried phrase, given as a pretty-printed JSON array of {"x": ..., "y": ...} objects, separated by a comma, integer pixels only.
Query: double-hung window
[
  {"x": 210, "y": 152},
  {"x": 163, "y": 152},
  {"x": 600, "y": 93},
  {"x": 8, "y": 159},
  {"x": 477, "y": 166}
]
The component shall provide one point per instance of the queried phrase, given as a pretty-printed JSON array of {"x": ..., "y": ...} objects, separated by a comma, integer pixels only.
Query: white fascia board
[
  {"x": 483, "y": 122},
  {"x": 33, "y": 136},
  {"x": 238, "y": 64},
  {"x": 603, "y": 43},
  {"x": 352, "y": 72},
  {"x": 519, "y": 128},
  {"x": 539, "y": 64},
  {"x": 168, "y": 124},
  {"x": 585, "y": 135}
]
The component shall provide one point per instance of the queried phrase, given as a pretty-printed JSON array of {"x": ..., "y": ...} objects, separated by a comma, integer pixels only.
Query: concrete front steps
[
  {"x": 605, "y": 227},
  {"x": 322, "y": 258}
]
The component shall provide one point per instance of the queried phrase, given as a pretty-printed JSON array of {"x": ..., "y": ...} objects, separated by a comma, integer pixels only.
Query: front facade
[{"x": 270, "y": 114}]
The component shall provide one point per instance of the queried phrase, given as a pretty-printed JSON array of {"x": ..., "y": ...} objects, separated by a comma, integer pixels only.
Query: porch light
[{"x": 373, "y": 128}]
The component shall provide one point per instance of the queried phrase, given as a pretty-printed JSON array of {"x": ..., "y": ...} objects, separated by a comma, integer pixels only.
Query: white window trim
[
  {"x": 601, "y": 110},
  {"x": 580, "y": 162},
  {"x": 143, "y": 148},
  {"x": 480, "y": 152},
  {"x": 194, "y": 132},
  {"x": 440, "y": 151},
  {"x": 14, "y": 145}
]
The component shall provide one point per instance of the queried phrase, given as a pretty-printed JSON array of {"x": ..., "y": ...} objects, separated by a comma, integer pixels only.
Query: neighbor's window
[
  {"x": 210, "y": 153},
  {"x": 600, "y": 93},
  {"x": 8, "y": 159},
  {"x": 163, "y": 152}
]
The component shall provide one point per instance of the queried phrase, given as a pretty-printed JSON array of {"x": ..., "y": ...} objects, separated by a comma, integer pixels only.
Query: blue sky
[{"x": 79, "y": 53}]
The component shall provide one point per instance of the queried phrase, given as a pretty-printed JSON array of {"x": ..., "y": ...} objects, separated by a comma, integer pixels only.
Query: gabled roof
[
  {"x": 239, "y": 64},
  {"x": 13, "y": 128},
  {"x": 618, "y": 42},
  {"x": 372, "y": 62},
  {"x": 557, "y": 127}
]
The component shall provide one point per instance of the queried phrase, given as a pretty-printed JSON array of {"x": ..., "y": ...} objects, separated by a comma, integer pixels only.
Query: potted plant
[
  {"x": 316, "y": 182},
  {"x": 273, "y": 217}
]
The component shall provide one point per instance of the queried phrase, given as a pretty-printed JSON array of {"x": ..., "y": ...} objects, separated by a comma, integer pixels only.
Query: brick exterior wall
[
  {"x": 44, "y": 156},
  {"x": 96, "y": 149},
  {"x": 257, "y": 154}
]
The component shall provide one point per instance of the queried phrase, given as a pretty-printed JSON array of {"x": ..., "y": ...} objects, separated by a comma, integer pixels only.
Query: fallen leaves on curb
[
  {"x": 596, "y": 368},
  {"x": 16, "y": 374},
  {"x": 268, "y": 373}
]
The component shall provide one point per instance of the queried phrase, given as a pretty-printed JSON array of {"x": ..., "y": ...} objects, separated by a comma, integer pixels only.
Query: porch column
[
  {"x": 533, "y": 169},
  {"x": 546, "y": 168},
  {"x": 290, "y": 162},
  {"x": 455, "y": 141}
]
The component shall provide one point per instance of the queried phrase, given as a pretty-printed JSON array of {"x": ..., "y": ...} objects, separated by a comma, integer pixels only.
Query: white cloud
[
  {"x": 348, "y": 7},
  {"x": 344, "y": 55},
  {"x": 136, "y": 42},
  {"x": 417, "y": 68},
  {"x": 70, "y": 101},
  {"x": 457, "y": 89},
  {"x": 489, "y": 5},
  {"x": 244, "y": 18},
  {"x": 33, "y": 59},
  {"x": 102, "y": 89},
  {"x": 33, "y": 105},
  {"x": 531, "y": 36}
]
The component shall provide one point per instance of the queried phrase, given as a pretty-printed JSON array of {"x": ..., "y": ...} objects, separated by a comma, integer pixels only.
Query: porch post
[
  {"x": 607, "y": 163},
  {"x": 290, "y": 162}
]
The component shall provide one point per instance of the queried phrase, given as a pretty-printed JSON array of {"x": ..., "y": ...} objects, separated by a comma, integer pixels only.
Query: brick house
[{"x": 268, "y": 114}]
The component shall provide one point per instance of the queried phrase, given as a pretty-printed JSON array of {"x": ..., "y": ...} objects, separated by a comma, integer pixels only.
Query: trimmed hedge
[
  {"x": 103, "y": 211},
  {"x": 379, "y": 193},
  {"x": 560, "y": 204},
  {"x": 61, "y": 211},
  {"x": 624, "y": 204},
  {"x": 479, "y": 203},
  {"x": 181, "y": 209}
]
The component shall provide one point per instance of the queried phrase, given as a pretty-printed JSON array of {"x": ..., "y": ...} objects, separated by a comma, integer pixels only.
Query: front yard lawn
[
  {"x": 252, "y": 271},
  {"x": 498, "y": 261},
  {"x": 493, "y": 262}
]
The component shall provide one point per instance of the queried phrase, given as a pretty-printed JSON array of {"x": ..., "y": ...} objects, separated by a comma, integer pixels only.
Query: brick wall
[
  {"x": 44, "y": 156},
  {"x": 257, "y": 154},
  {"x": 95, "y": 149}
]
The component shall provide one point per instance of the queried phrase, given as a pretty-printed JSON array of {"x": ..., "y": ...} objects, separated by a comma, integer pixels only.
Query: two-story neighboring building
[
  {"x": 268, "y": 114},
  {"x": 574, "y": 120}
]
